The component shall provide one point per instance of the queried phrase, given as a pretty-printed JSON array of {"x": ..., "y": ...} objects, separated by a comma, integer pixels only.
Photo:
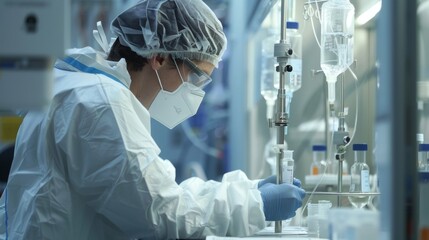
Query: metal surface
[
  {"x": 281, "y": 118},
  {"x": 341, "y": 128},
  {"x": 343, "y": 194},
  {"x": 340, "y": 182}
]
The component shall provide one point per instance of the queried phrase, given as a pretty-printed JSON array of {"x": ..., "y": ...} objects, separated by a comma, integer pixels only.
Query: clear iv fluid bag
[
  {"x": 337, "y": 37},
  {"x": 270, "y": 78},
  {"x": 268, "y": 73}
]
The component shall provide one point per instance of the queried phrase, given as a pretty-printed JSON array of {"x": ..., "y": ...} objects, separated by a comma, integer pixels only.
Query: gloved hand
[
  {"x": 273, "y": 179},
  {"x": 281, "y": 201}
]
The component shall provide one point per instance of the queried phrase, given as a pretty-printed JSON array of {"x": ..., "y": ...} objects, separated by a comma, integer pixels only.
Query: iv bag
[
  {"x": 269, "y": 76},
  {"x": 337, "y": 33},
  {"x": 294, "y": 39}
]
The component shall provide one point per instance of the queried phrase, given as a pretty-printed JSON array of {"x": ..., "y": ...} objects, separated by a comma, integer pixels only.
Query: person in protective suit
[{"x": 87, "y": 167}]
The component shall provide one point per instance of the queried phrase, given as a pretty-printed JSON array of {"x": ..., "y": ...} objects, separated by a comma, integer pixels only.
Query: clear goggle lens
[{"x": 198, "y": 77}]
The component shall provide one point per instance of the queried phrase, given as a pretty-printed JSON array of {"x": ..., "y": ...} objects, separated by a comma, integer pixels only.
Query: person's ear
[{"x": 157, "y": 62}]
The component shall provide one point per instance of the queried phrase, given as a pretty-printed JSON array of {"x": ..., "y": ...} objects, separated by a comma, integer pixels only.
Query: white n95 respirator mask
[{"x": 172, "y": 108}]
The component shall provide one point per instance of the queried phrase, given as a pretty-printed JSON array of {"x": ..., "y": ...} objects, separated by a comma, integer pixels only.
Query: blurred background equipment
[{"x": 34, "y": 34}]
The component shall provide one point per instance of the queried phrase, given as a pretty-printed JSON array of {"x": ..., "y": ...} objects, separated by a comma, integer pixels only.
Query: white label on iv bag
[
  {"x": 288, "y": 171},
  {"x": 364, "y": 178},
  {"x": 295, "y": 75}
]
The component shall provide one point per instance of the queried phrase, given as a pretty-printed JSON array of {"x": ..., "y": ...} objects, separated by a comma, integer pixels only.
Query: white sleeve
[
  {"x": 113, "y": 164},
  {"x": 232, "y": 207}
]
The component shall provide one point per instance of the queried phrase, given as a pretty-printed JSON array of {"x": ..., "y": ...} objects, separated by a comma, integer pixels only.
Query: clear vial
[
  {"x": 359, "y": 173},
  {"x": 271, "y": 150},
  {"x": 420, "y": 138},
  {"x": 288, "y": 167},
  {"x": 423, "y": 157},
  {"x": 318, "y": 166}
]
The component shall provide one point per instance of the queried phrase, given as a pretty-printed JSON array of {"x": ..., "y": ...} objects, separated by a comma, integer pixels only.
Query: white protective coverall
[{"x": 88, "y": 168}]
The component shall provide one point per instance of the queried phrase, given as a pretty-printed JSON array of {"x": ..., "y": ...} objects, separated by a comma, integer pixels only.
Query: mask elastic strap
[
  {"x": 177, "y": 68},
  {"x": 159, "y": 80}
]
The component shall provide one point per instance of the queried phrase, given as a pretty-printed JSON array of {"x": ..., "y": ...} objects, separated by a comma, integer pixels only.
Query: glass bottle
[
  {"x": 318, "y": 166},
  {"x": 420, "y": 138},
  {"x": 423, "y": 157},
  {"x": 359, "y": 173}
]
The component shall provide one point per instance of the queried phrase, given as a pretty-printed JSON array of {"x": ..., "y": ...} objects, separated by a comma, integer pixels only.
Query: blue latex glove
[
  {"x": 273, "y": 179},
  {"x": 281, "y": 201}
]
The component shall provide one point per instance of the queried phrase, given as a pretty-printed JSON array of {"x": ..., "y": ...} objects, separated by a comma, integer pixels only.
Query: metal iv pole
[
  {"x": 341, "y": 140},
  {"x": 282, "y": 52}
]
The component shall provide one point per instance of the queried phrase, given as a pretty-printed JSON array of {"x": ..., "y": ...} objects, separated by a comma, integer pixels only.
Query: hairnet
[{"x": 182, "y": 28}]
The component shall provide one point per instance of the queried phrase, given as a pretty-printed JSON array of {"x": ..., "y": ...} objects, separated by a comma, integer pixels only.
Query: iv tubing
[
  {"x": 314, "y": 31},
  {"x": 357, "y": 105}
]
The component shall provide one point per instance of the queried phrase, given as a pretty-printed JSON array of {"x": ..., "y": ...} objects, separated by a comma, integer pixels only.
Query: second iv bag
[
  {"x": 268, "y": 74},
  {"x": 293, "y": 78},
  {"x": 294, "y": 38},
  {"x": 337, "y": 36}
]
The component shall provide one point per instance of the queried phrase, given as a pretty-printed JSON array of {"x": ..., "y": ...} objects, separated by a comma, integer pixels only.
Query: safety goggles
[{"x": 197, "y": 77}]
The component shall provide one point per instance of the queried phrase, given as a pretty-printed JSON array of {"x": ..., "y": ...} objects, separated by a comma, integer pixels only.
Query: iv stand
[
  {"x": 282, "y": 52},
  {"x": 341, "y": 140}
]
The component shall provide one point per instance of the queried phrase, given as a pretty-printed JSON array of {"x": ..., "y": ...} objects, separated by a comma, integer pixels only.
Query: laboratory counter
[{"x": 289, "y": 232}]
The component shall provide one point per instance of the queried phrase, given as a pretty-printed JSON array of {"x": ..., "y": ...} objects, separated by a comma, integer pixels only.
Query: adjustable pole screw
[{"x": 346, "y": 139}]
